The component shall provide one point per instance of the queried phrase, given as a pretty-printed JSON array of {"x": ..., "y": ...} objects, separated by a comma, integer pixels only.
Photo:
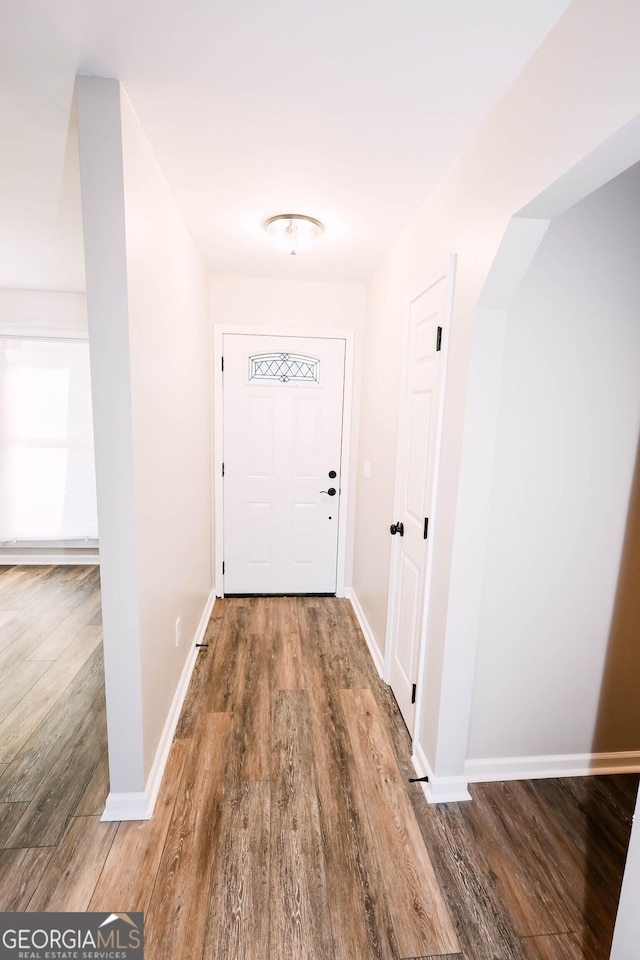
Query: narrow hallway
[
  {"x": 295, "y": 836},
  {"x": 286, "y": 825}
]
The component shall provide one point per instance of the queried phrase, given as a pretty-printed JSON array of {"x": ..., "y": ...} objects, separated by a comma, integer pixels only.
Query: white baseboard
[
  {"x": 438, "y": 789},
  {"x": 374, "y": 649},
  {"x": 126, "y": 806},
  {"x": 561, "y": 765},
  {"x": 139, "y": 806},
  {"x": 68, "y": 559}
]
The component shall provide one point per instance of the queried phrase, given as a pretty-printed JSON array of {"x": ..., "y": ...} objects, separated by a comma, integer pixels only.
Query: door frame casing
[
  {"x": 219, "y": 331},
  {"x": 446, "y": 270}
]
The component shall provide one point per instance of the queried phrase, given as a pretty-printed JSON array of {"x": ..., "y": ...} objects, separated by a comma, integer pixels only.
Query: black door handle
[
  {"x": 331, "y": 491},
  {"x": 397, "y": 528}
]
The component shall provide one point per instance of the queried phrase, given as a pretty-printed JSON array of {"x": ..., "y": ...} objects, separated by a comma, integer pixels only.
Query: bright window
[{"x": 47, "y": 472}]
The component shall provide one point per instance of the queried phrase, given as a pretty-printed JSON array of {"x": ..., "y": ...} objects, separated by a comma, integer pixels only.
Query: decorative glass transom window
[{"x": 284, "y": 367}]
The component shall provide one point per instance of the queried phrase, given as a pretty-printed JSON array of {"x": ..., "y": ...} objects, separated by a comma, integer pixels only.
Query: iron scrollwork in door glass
[{"x": 284, "y": 367}]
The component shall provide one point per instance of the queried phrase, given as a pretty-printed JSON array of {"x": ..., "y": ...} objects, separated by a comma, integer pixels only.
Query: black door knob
[
  {"x": 397, "y": 528},
  {"x": 331, "y": 491}
]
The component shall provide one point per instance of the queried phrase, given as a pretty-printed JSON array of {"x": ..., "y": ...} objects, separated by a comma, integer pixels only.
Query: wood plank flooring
[
  {"x": 52, "y": 717},
  {"x": 286, "y": 826}
]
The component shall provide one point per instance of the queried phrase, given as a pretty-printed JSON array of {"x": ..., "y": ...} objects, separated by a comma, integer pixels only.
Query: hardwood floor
[
  {"x": 52, "y": 720},
  {"x": 286, "y": 826}
]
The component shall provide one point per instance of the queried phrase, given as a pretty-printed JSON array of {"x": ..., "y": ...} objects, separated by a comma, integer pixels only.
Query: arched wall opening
[
  {"x": 566, "y": 436},
  {"x": 465, "y": 751}
]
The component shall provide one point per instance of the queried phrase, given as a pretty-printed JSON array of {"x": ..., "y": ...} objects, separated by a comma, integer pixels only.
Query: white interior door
[
  {"x": 418, "y": 434},
  {"x": 283, "y": 408}
]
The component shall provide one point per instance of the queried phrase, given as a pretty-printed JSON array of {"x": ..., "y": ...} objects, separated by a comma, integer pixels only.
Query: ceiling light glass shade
[{"x": 293, "y": 232}]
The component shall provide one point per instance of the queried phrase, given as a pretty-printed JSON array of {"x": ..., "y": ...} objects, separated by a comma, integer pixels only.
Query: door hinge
[
  {"x": 223, "y": 566},
  {"x": 439, "y": 339},
  {"x": 222, "y": 364},
  {"x": 426, "y": 526},
  {"x": 223, "y": 474},
  {"x": 413, "y": 693}
]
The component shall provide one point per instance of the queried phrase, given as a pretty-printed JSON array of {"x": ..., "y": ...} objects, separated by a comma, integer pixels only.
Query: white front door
[
  {"x": 418, "y": 434},
  {"x": 282, "y": 421}
]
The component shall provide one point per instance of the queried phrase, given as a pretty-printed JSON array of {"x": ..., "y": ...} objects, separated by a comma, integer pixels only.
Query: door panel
[
  {"x": 419, "y": 431},
  {"x": 282, "y": 421},
  {"x": 306, "y": 429},
  {"x": 261, "y": 437},
  {"x": 419, "y": 412},
  {"x": 260, "y": 537},
  {"x": 304, "y": 547},
  {"x": 409, "y": 589}
]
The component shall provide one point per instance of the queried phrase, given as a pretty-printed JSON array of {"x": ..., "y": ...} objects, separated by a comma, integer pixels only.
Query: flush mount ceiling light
[{"x": 293, "y": 232}]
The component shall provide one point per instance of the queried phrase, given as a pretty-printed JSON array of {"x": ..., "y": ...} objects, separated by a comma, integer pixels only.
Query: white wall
[
  {"x": 549, "y": 121},
  {"x": 150, "y": 349},
  {"x": 250, "y": 301},
  {"x": 302, "y": 306},
  {"x": 171, "y": 401},
  {"x": 378, "y": 434},
  {"x": 565, "y": 456}
]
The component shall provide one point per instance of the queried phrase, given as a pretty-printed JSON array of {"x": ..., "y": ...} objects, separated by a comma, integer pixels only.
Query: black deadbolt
[{"x": 332, "y": 474}]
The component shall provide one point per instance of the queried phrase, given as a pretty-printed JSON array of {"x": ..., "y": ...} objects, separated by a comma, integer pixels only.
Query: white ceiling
[{"x": 349, "y": 111}]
